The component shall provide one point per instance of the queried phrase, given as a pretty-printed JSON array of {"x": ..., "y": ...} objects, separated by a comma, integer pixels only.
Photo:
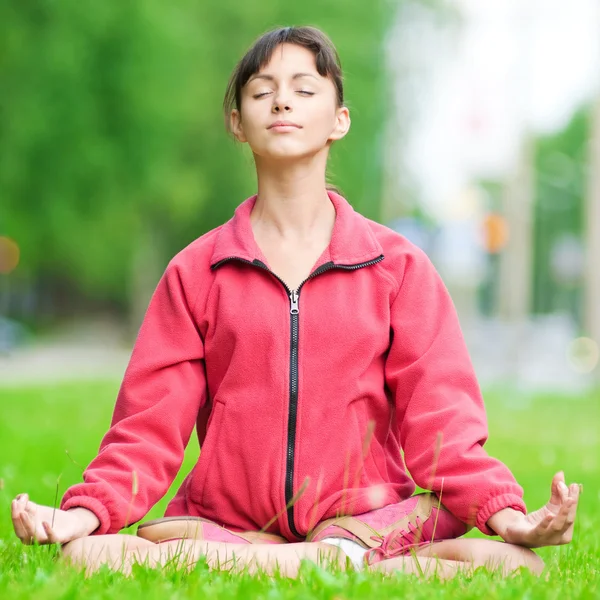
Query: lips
[{"x": 283, "y": 124}]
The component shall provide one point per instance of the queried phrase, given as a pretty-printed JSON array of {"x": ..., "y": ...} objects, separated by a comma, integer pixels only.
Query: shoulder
[
  {"x": 401, "y": 256},
  {"x": 197, "y": 255},
  {"x": 189, "y": 269}
]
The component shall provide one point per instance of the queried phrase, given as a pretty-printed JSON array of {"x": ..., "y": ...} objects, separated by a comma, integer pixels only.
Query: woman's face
[{"x": 289, "y": 88}]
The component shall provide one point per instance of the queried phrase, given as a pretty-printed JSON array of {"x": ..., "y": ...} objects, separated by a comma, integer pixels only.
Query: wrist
[
  {"x": 88, "y": 521},
  {"x": 501, "y": 521}
]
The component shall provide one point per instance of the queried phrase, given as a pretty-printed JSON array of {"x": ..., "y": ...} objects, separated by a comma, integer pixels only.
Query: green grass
[{"x": 48, "y": 434}]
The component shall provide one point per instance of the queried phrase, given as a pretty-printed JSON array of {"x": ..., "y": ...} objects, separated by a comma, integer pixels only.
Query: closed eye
[{"x": 305, "y": 92}]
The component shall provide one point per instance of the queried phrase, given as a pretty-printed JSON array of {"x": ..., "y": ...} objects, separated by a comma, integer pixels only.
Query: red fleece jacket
[{"x": 311, "y": 394}]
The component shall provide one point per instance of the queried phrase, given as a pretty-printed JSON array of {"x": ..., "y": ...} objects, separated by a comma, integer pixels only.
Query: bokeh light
[
  {"x": 9, "y": 255},
  {"x": 583, "y": 355},
  {"x": 376, "y": 494},
  {"x": 494, "y": 233},
  {"x": 547, "y": 456}
]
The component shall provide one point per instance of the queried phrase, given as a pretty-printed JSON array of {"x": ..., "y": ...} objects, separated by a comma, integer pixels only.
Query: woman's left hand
[{"x": 550, "y": 525}]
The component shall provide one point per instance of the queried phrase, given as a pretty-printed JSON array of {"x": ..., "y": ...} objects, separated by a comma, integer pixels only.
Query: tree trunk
[
  {"x": 147, "y": 266},
  {"x": 592, "y": 235},
  {"x": 516, "y": 261}
]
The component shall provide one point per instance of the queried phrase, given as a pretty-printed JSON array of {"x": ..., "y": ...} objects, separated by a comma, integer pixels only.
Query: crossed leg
[
  {"x": 121, "y": 551},
  {"x": 449, "y": 557},
  {"x": 443, "y": 559}
]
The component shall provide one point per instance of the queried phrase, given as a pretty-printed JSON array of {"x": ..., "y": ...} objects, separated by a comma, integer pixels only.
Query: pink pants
[{"x": 398, "y": 527}]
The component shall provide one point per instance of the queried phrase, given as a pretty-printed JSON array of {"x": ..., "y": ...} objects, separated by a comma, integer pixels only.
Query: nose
[
  {"x": 281, "y": 107},
  {"x": 281, "y": 103}
]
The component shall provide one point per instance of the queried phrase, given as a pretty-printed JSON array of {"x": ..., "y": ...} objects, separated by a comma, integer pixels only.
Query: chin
[{"x": 286, "y": 154}]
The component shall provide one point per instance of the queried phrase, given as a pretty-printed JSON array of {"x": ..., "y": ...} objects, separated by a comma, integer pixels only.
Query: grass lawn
[{"x": 49, "y": 433}]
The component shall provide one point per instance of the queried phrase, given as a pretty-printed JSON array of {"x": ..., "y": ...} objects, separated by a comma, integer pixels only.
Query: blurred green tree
[
  {"x": 561, "y": 181},
  {"x": 591, "y": 318},
  {"x": 559, "y": 170},
  {"x": 114, "y": 155}
]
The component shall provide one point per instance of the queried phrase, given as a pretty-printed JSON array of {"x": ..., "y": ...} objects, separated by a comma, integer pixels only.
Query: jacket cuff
[
  {"x": 94, "y": 505},
  {"x": 493, "y": 505}
]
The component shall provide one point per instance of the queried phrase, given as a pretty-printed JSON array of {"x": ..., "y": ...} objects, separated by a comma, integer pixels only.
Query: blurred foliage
[
  {"x": 561, "y": 180},
  {"x": 114, "y": 154},
  {"x": 561, "y": 171}
]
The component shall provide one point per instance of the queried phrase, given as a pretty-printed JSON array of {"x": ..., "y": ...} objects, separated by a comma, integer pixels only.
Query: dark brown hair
[{"x": 327, "y": 61}]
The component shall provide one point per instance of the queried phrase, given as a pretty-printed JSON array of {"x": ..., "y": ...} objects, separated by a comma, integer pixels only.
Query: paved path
[
  {"x": 531, "y": 357},
  {"x": 54, "y": 362}
]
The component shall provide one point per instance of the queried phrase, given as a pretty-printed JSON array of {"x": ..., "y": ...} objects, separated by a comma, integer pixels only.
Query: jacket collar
[{"x": 352, "y": 242}]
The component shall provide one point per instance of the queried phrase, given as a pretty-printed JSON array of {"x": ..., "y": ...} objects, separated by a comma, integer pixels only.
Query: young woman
[{"x": 309, "y": 345}]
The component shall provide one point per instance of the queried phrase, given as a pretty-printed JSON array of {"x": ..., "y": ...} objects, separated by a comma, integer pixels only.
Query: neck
[{"x": 292, "y": 201}]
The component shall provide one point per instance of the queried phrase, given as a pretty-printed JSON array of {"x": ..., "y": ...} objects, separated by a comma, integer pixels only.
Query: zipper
[{"x": 294, "y": 298}]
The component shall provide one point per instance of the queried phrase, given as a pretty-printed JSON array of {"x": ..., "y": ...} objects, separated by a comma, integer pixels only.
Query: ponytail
[{"x": 332, "y": 188}]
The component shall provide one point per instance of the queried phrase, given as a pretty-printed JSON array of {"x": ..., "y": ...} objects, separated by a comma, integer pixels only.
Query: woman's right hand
[{"x": 35, "y": 523}]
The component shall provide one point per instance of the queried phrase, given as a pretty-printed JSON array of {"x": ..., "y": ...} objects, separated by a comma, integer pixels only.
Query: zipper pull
[{"x": 294, "y": 303}]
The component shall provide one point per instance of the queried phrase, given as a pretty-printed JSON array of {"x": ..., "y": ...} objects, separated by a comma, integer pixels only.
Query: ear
[
  {"x": 235, "y": 123},
  {"x": 342, "y": 124}
]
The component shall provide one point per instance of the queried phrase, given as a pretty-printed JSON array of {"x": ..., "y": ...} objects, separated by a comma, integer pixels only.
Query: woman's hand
[
  {"x": 550, "y": 525},
  {"x": 34, "y": 523}
]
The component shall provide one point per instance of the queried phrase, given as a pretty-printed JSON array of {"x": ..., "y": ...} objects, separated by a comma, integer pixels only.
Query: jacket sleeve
[
  {"x": 163, "y": 389},
  {"x": 439, "y": 408}
]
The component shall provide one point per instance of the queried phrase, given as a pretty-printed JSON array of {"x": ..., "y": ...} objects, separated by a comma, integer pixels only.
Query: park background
[{"x": 475, "y": 133}]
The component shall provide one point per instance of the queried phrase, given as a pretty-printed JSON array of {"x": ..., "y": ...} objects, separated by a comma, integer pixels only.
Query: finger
[
  {"x": 22, "y": 501},
  {"x": 27, "y": 504},
  {"x": 27, "y": 535},
  {"x": 555, "y": 494},
  {"x": 16, "y": 519},
  {"x": 15, "y": 510},
  {"x": 574, "y": 497},
  {"x": 542, "y": 528},
  {"x": 563, "y": 490},
  {"x": 30, "y": 508},
  {"x": 541, "y": 532},
  {"x": 560, "y": 523},
  {"x": 30, "y": 528},
  {"x": 52, "y": 537},
  {"x": 547, "y": 521},
  {"x": 559, "y": 488},
  {"x": 23, "y": 505},
  {"x": 574, "y": 490}
]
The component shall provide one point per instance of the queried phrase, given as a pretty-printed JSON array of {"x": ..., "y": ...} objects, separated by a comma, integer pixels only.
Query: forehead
[{"x": 291, "y": 57}]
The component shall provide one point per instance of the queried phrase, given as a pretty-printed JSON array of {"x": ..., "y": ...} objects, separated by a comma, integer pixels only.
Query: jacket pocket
[
  {"x": 374, "y": 468},
  {"x": 208, "y": 451}
]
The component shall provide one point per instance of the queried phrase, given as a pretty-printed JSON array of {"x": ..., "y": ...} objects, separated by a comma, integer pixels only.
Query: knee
[
  {"x": 532, "y": 561},
  {"x": 518, "y": 557},
  {"x": 75, "y": 550}
]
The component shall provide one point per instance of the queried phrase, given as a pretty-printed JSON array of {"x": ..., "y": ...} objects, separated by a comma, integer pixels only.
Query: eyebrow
[{"x": 272, "y": 78}]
